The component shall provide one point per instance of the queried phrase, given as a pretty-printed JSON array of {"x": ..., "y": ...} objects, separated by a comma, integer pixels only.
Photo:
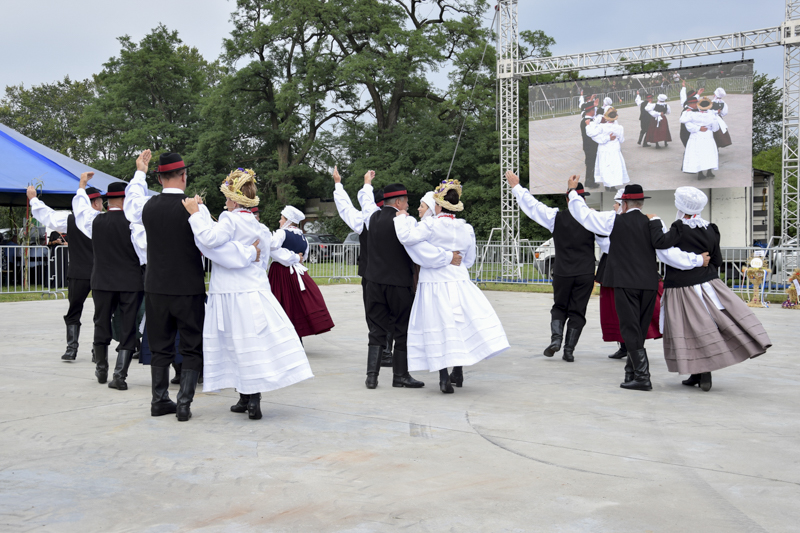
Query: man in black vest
[
  {"x": 589, "y": 146},
  {"x": 116, "y": 279},
  {"x": 174, "y": 289},
  {"x": 573, "y": 271},
  {"x": 631, "y": 269},
  {"x": 79, "y": 271}
]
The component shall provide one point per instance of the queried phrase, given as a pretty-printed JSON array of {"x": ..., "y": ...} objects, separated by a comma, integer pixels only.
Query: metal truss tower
[
  {"x": 791, "y": 114},
  {"x": 508, "y": 103}
]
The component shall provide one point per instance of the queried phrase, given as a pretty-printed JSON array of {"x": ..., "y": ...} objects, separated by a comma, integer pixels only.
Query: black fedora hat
[
  {"x": 170, "y": 162},
  {"x": 580, "y": 190},
  {"x": 394, "y": 190},
  {"x": 116, "y": 189},
  {"x": 634, "y": 192},
  {"x": 377, "y": 195},
  {"x": 93, "y": 193}
]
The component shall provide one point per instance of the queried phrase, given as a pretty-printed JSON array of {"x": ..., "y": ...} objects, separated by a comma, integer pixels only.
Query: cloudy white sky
[{"x": 45, "y": 40}]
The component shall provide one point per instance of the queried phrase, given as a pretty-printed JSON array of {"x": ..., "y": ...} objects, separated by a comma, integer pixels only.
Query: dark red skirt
[
  {"x": 306, "y": 309},
  {"x": 660, "y": 133},
  {"x": 609, "y": 322},
  {"x": 722, "y": 139}
]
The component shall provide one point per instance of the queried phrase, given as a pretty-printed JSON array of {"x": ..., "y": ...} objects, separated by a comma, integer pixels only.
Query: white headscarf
[
  {"x": 691, "y": 201},
  {"x": 662, "y": 98},
  {"x": 430, "y": 202},
  {"x": 720, "y": 93},
  {"x": 607, "y": 101},
  {"x": 292, "y": 216}
]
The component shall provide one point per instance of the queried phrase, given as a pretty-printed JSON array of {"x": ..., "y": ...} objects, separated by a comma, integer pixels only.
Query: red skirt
[
  {"x": 609, "y": 322},
  {"x": 660, "y": 133},
  {"x": 722, "y": 139},
  {"x": 306, "y": 309}
]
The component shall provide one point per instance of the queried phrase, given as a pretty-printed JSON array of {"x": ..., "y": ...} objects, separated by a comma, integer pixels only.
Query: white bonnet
[
  {"x": 690, "y": 200},
  {"x": 607, "y": 101},
  {"x": 662, "y": 97},
  {"x": 292, "y": 214},
  {"x": 618, "y": 196},
  {"x": 720, "y": 93},
  {"x": 430, "y": 202}
]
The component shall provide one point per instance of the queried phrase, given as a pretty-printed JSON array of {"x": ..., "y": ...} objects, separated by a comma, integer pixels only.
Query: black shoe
[
  {"x": 254, "y": 406},
  {"x": 665, "y": 145},
  {"x": 693, "y": 380},
  {"x": 701, "y": 176},
  {"x": 444, "y": 382},
  {"x": 622, "y": 353},
  {"x": 177, "y": 379},
  {"x": 124, "y": 358},
  {"x": 94, "y": 357},
  {"x": 705, "y": 381},
  {"x": 628, "y": 369},
  {"x": 570, "y": 341},
  {"x": 407, "y": 381},
  {"x": 241, "y": 405},
  {"x": 657, "y": 146},
  {"x": 161, "y": 404},
  {"x": 101, "y": 368},
  {"x": 641, "y": 371},
  {"x": 710, "y": 174},
  {"x": 645, "y": 145},
  {"x": 556, "y": 335},
  {"x": 401, "y": 376},
  {"x": 73, "y": 332},
  {"x": 373, "y": 366},
  {"x": 186, "y": 394},
  {"x": 457, "y": 376}
]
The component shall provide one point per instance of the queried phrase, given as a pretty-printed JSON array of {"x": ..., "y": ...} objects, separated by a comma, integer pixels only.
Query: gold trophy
[{"x": 756, "y": 273}]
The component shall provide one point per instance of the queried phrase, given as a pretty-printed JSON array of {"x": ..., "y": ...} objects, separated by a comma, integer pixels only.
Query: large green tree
[{"x": 767, "y": 113}]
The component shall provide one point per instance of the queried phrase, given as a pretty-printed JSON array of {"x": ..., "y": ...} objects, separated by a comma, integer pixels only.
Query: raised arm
[
  {"x": 205, "y": 230},
  {"x": 82, "y": 207},
  {"x": 366, "y": 198},
  {"x": 409, "y": 232},
  {"x": 136, "y": 191},
  {"x": 50, "y": 218},
  {"x": 543, "y": 215},
  {"x": 601, "y": 223}
]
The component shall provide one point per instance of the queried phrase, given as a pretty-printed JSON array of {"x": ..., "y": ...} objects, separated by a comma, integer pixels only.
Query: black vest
[
  {"x": 574, "y": 246},
  {"x": 174, "y": 264},
  {"x": 644, "y": 116},
  {"x": 601, "y": 268},
  {"x": 660, "y": 108},
  {"x": 696, "y": 240},
  {"x": 632, "y": 253},
  {"x": 362, "y": 253},
  {"x": 116, "y": 265},
  {"x": 388, "y": 263},
  {"x": 81, "y": 257},
  {"x": 588, "y": 144}
]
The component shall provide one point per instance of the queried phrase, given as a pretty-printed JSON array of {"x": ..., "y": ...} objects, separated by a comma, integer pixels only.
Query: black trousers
[
  {"x": 635, "y": 311},
  {"x": 590, "y": 156},
  {"x": 105, "y": 303},
  {"x": 389, "y": 307},
  {"x": 78, "y": 291},
  {"x": 570, "y": 298},
  {"x": 167, "y": 315}
]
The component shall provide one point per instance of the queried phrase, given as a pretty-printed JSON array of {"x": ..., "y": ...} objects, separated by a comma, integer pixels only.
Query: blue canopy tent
[{"x": 24, "y": 162}]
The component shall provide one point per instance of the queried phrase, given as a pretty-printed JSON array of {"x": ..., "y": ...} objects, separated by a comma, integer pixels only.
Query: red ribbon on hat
[
  {"x": 171, "y": 166},
  {"x": 395, "y": 193},
  {"x": 115, "y": 193},
  {"x": 94, "y": 195},
  {"x": 637, "y": 196}
]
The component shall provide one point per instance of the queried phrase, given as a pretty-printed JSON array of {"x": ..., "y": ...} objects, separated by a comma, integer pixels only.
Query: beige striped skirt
[{"x": 703, "y": 338}]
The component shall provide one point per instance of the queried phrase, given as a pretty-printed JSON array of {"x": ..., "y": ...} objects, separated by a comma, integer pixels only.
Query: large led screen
[{"x": 663, "y": 130}]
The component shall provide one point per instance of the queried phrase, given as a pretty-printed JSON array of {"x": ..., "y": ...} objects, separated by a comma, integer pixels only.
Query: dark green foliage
[{"x": 767, "y": 113}]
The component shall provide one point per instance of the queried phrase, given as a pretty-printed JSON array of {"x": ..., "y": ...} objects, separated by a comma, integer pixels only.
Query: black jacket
[{"x": 387, "y": 261}]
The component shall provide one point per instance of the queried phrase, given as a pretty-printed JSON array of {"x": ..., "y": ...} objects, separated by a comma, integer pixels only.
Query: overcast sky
[{"x": 45, "y": 40}]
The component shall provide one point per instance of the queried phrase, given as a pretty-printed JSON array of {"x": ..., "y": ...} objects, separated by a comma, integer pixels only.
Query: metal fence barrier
[{"x": 25, "y": 269}]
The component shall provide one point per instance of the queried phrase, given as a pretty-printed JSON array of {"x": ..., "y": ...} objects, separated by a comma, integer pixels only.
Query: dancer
[
  {"x": 658, "y": 129},
  {"x": 720, "y": 108},
  {"x": 706, "y": 326},
  {"x": 296, "y": 291},
  {"x": 701, "y": 156},
  {"x": 248, "y": 341},
  {"x": 644, "y": 118},
  {"x": 609, "y": 168},
  {"x": 689, "y": 101},
  {"x": 589, "y": 146},
  {"x": 573, "y": 272},
  {"x": 631, "y": 269},
  {"x": 81, "y": 259},
  {"x": 452, "y": 324}
]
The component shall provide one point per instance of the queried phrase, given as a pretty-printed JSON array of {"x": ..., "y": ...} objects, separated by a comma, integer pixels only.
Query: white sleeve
[
  {"x": 677, "y": 258},
  {"x": 536, "y": 210},
  {"x": 724, "y": 110},
  {"x": 232, "y": 254},
  {"x": 650, "y": 108},
  {"x": 638, "y": 100},
  {"x": 683, "y": 96},
  {"x": 278, "y": 236},
  {"x": 209, "y": 234},
  {"x": 409, "y": 232},
  {"x": 352, "y": 217},
  {"x": 282, "y": 255},
  {"x": 56, "y": 220},
  {"x": 84, "y": 212},
  {"x": 366, "y": 200},
  {"x": 621, "y": 134},
  {"x": 427, "y": 255},
  {"x": 691, "y": 126},
  {"x": 135, "y": 197},
  {"x": 596, "y": 133},
  {"x": 714, "y": 126},
  {"x": 604, "y": 243},
  {"x": 139, "y": 240},
  {"x": 469, "y": 255},
  {"x": 669, "y": 109},
  {"x": 686, "y": 117},
  {"x": 601, "y": 223}
]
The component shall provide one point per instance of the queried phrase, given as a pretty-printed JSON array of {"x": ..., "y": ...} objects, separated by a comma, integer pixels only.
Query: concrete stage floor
[{"x": 528, "y": 444}]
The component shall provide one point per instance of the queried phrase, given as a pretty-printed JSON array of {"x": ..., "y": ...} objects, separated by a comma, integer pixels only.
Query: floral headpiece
[
  {"x": 232, "y": 187},
  {"x": 441, "y": 190}
]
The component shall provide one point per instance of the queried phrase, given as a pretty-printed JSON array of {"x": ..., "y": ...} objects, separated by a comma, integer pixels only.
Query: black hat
[
  {"x": 116, "y": 189},
  {"x": 634, "y": 192},
  {"x": 587, "y": 105},
  {"x": 580, "y": 190},
  {"x": 170, "y": 162},
  {"x": 394, "y": 190},
  {"x": 93, "y": 193},
  {"x": 377, "y": 195}
]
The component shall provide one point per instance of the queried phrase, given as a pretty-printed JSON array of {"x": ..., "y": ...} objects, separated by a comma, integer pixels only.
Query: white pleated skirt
[
  {"x": 249, "y": 344},
  {"x": 452, "y": 324}
]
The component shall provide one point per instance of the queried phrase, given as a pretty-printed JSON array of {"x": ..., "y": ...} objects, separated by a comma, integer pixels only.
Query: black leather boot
[
  {"x": 241, "y": 405},
  {"x": 373, "y": 366},
  {"x": 186, "y": 394},
  {"x": 401, "y": 376},
  {"x": 641, "y": 137},
  {"x": 628, "y": 368},
  {"x": 254, "y": 406},
  {"x": 73, "y": 332},
  {"x": 124, "y": 358},
  {"x": 570, "y": 341},
  {"x": 641, "y": 371},
  {"x": 710, "y": 174},
  {"x": 161, "y": 404},
  {"x": 556, "y": 335},
  {"x": 386, "y": 356},
  {"x": 444, "y": 382},
  {"x": 705, "y": 381},
  {"x": 621, "y": 353},
  {"x": 177, "y": 379},
  {"x": 101, "y": 368},
  {"x": 457, "y": 376},
  {"x": 693, "y": 380}
]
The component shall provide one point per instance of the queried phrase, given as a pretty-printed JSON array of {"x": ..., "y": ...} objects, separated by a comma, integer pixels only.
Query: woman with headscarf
[
  {"x": 291, "y": 285},
  {"x": 658, "y": 129},
  {"x": 701, "y": 156},
  {"x": 248, "y": 341},
  {"x": 452, "y": 324},
  {"x": 609, "y": 167},
  {"x": 719, "y": 107},
  {"x": 706, "y": 326}
]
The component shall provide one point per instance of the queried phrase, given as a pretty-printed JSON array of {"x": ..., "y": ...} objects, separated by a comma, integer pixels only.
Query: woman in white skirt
[
  {"x": 452, "y": 324},
  {"x": 701, "y": 155},
  {"x": 609, "y": 167},
  {"x": 248, "y": 341},
  {"x": 706, "y": 326}
]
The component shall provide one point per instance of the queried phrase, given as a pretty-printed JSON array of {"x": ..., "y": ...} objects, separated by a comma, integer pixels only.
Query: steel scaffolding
[{"x": 791, "y": 114}]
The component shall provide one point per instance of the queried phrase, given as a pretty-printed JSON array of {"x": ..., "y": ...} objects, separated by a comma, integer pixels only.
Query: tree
[
  {"x": 658, "y": 65},
  {"x": 767, "y": 113}
]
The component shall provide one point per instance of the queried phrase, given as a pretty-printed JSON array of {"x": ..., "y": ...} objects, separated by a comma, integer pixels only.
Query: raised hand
[
  {"x": 31, "y": 192},
  {"x": 198, "y": 199},
  {"x": 336, "y": 177},
  {"x": 85, "y": 177},
  {"x": 513, "y": 179},
  {"x": 572, "y": 183},
  {"x": 191, "y": 205},
  {"x": 368, "y": 177},
  {"x": 143, "y": 161},
  {"x": 456, "y": 261}
]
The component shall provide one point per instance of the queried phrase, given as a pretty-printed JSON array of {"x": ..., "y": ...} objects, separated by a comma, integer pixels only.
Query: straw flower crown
[
  {"x": 440, "y": 191},
  {"x": 232, "y": 187}
]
